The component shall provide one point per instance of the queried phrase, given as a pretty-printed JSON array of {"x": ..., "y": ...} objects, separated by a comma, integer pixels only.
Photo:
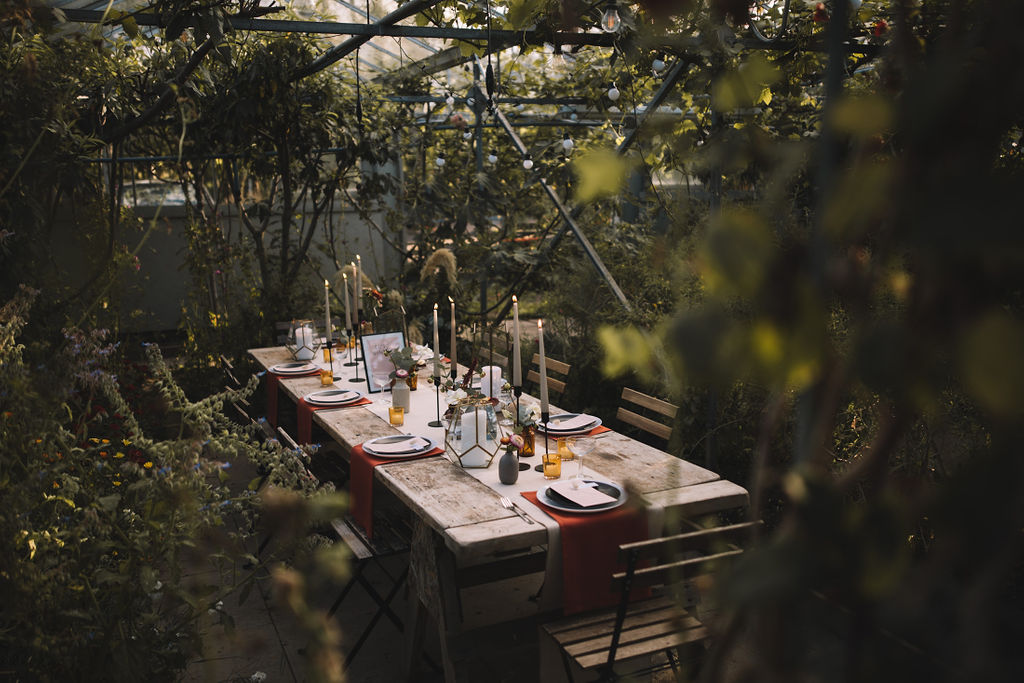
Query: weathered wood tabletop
[{"x": 468, "y": 515}]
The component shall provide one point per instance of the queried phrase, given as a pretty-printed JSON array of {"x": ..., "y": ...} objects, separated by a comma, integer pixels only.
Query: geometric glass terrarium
[
  {"x": 303, "y": 340},
  {"x": 472, "y": 437}
]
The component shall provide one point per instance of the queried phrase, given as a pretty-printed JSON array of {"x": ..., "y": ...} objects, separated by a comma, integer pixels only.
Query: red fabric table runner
[
  {"x": 272, "y": 382},
  {"x": 590, "y": 552},
  {"x": 360, "y": 485},
  {"x": 304, "y": 431}
]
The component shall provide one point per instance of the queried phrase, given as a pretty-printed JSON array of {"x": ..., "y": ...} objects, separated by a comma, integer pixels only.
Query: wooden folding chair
[
  {"x": 598, "y": 641},
  {"x": 391, "y": 537},
  {"x": 557, "y": 372},
  {"x": 642, "y": 403}
]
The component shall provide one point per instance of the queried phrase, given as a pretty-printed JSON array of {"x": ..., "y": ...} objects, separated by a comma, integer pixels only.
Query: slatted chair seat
[
  {"x": 557, "y": 372},
  {"x": 638, "y": 401},
  {"x": 641, "y": 628}
]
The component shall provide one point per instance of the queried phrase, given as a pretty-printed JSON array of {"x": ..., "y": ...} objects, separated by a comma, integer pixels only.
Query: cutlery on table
[{"x": 509, "y": 505}]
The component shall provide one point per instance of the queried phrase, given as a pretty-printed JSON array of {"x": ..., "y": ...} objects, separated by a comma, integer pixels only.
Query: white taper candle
[
  {"x": 517, "y": 361},
  {"x": 543, "y": 369},
  {"x": 437, "y": 347}
]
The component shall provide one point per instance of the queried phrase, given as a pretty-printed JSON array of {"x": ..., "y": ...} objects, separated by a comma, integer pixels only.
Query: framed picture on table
[{"x": 375, "y": 349}]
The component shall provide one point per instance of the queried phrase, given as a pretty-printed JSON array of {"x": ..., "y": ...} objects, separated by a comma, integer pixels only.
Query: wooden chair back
[
  {"x": 496, "y": 351},
  {"x": 557, "y": 372},
  {"x": 643, "y": 627},
  {"x": 652, "y": 406}
]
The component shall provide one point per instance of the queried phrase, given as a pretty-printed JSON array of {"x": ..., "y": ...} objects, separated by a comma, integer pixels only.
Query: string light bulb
[
  {"x": 450, "y": 100},
  {"x": 440, "y": 159},
  {"x": 467, "y": 135},
  {"x": 613, "y": 93},
  {"x": 492, "y": 158},
  {"x": 611, "y": 21},
  {"x": 659, "y": 62},
  {"x": 567, "y": 143},
  {"x": 527, "y": 162}
]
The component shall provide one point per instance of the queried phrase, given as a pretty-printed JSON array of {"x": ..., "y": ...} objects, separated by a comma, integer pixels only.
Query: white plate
[
  {"x": 368, "y": 446},
  {"x": 333, "y": 397},
  {"x": 300, "y": 368},
  {"x": 553, "y": 429},
  {"x": 565, "y": 505}
]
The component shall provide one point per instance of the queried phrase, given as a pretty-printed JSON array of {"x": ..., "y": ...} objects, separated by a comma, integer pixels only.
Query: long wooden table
[{"x": 462, "y": 523}]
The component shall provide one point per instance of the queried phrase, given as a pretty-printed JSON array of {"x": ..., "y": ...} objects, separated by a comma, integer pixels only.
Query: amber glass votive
[
  {"x": 565, "y": 449},
  {"x": 326, "y": 377},
  {"x": 396, "y": 415},
  {"x": 552, "y": 465}
]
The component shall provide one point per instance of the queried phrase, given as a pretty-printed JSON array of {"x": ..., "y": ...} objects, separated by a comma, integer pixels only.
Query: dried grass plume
[{"x": 442, "y": 259}]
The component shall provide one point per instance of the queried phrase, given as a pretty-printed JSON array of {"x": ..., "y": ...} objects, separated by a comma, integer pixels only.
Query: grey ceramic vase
[{"x": 508, "y": 466}]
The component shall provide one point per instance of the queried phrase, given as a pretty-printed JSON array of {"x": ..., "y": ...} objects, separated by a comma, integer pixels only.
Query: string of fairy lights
[{"x": 611, "y": 22}]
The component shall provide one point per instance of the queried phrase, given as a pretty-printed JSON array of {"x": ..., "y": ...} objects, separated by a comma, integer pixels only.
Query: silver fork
[{"x": 509, "y": 505}]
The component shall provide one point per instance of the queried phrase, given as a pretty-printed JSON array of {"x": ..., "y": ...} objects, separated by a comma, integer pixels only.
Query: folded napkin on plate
[
  {"x": 272, "y": 382},
  {"x": 360, "y": 486},
  {"x": 578, "y": 422},
  {"x": 590, "y": 552},
  {"x": 413, "y": 443},
  {"x": 304, "y": 432},
  {"x": 586, "y": 495}
]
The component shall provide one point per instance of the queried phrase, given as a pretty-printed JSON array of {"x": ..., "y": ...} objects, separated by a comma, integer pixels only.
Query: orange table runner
[
  {"x": 361, "y": 466},
  {"x": 272, "y": 382},
  {"x": 304, "y": 430},
  {"x": 590, "y": 551}
]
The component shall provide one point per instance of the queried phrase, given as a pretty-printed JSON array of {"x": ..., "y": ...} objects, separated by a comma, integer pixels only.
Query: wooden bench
[
  {"x": 672, "y": 566},
  {"x": 630, "y": 416}
]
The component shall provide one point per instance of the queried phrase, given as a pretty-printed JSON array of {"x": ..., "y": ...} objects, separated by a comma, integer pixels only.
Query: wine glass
[
  {"x": 383, "y": 382},
  {"x": 580, "y": 446}
]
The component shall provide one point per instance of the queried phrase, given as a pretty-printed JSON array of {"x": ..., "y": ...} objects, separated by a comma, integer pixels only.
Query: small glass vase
[
  {"x": 412, "y": 380},
  {"x": 529, "y": 439}
]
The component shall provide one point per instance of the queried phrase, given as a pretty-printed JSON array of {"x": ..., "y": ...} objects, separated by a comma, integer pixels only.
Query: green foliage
[{"x": 114, "y": 489}]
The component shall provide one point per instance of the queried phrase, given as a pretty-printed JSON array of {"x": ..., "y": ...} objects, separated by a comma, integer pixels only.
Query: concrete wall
[{"x": 153, "y": 295}]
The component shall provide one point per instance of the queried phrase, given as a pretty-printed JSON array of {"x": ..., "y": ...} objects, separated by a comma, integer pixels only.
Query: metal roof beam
[
  {"x": 414, "y": 41},
  {"x": 337, "y": 52}
]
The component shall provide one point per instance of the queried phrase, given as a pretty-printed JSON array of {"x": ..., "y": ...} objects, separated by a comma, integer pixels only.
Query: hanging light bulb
[
  {"x": 567, "y": 143},
  {"x": 527, "y": 162},
  {"x": 440, "y": 159},
  {"x": 573, "y": 116},
  {"x": 855, "y": 4},
  {"x": 450, "y": 100},
  {"x": 611, "y": 21},
  {"x": 470, "y": 101},
  {"x": 467, "y": 135},
  {"x": 659, "y": 62},
  {"x": 613, "y": 93},
  {"x": 492, "y": 158}
]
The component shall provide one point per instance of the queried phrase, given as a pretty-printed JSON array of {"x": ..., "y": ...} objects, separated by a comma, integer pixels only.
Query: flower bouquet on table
[
  {"x": 525, "y": 425},
  {"x": 404, "y": 360}
]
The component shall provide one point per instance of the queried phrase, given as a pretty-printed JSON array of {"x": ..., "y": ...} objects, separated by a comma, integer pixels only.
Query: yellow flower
[
  {"x": 117, "y": 483},
  {"x": 126, "y": 442},
  {"x": 119, "y": 454},
  {"x": 148, "y": 465}
]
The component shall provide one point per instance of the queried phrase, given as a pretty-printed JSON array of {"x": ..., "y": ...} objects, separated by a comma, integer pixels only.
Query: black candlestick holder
[
  {"x": 351, "y": 363},
  {"x": 357, "y": 378},
  {"x": 437, "y": 400}
]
